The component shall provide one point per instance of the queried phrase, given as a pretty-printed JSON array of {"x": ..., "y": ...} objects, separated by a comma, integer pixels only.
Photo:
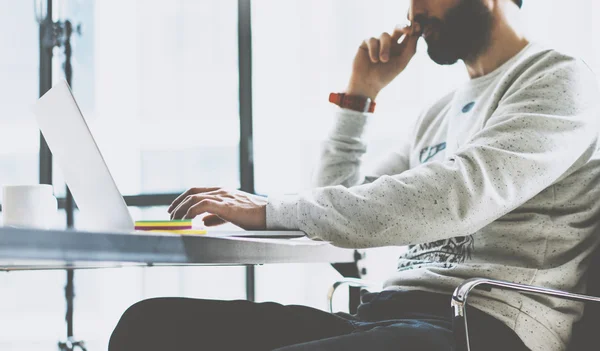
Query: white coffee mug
[{"x": 32, "y": 206}]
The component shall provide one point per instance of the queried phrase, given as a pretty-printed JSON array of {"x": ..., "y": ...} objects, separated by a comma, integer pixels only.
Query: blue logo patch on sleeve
[{"x": 468, "y": 107}]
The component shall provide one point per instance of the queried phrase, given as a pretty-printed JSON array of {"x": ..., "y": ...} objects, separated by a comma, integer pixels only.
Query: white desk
[{"x": 27, "y": 249}]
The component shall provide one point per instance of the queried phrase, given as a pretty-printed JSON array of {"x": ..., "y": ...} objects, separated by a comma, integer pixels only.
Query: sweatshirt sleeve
[
  {"x": 539, "y": 133},
  {"x": 342, "y": 152}
]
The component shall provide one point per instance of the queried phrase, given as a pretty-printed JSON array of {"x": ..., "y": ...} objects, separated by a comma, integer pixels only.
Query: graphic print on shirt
[
  {"x": 429, "y": 152},
  {"x": 442, "y": 253}
]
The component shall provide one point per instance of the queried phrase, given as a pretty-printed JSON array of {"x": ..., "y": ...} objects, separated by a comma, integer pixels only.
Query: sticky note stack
[
  {"x": 160, "y": 225},
  {"x": 174, "y": 226}
]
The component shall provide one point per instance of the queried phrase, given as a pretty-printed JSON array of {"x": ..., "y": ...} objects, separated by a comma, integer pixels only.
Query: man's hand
[
  {"x": 380, "y": 60},
  {"x": 242, "y": 209}
]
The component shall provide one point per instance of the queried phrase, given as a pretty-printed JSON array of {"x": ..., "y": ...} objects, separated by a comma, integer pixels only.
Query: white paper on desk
[{"x": 271, "y": 234}]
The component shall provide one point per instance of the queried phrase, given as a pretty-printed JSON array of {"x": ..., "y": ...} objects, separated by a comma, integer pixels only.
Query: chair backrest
[{"x": 586, "y": 333}]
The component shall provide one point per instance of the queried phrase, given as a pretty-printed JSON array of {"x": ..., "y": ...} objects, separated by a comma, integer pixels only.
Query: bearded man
[{"x": 500, "y": 179}]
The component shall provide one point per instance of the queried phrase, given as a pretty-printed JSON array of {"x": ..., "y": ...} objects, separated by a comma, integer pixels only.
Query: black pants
[{"x": 390, "y": 320}]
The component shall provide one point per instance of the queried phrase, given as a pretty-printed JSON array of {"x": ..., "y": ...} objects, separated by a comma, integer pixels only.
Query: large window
[{"x": 158, "y": 83}]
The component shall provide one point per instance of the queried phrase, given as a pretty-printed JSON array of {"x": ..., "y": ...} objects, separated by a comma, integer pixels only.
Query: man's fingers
[
  {"x": 181, "y": 209},
  {"x": 373, "y": 46},
  {"x": 213, "y": 220},
  {"x": 178, "y": 200},
  {"x": 399, "y": 32},
  {"x": 385, "y": 43},
  {"x": 189, "y": 192},
  {"x": 190, "y": 201},
  {"x": 409, "y": 45},
  {"x": 380, "y": 49},
  {"x": 204, "y": 206},
  {"x": 407, "y": 48}
]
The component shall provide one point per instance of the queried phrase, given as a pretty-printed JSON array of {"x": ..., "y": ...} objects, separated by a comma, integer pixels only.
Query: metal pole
[
  {"x": 51, "y": 35},
  {"x": 47, "y": 42},
  {"x": 70, "y": 297},
  {"x": 245, "y": 88},
  {"x": 68, "y": 68},
  {"x": 69, "y": 204},
  {"x": 46, "y": 46}
]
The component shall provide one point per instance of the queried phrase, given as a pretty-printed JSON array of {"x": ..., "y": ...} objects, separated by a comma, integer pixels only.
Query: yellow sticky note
[{"x": 182, "y": 231}]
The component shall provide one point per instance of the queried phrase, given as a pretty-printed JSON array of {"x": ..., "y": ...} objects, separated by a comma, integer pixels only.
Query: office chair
[{"x": 583, "y": 333}]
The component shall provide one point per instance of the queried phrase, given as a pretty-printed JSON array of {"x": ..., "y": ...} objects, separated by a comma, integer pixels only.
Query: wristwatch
[{"x": 353, "y": 102}]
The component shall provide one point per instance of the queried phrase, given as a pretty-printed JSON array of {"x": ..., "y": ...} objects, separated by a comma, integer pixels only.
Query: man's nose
[{"x": 417, "y": 8}]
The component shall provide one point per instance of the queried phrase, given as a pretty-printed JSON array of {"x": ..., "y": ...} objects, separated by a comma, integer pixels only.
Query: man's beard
[{"x": 464, "y": 34}]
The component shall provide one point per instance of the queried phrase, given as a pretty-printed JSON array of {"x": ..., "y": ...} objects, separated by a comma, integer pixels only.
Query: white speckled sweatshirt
[{"x": 500, "y": 180}]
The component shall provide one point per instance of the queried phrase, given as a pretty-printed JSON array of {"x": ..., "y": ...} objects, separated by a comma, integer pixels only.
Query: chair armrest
[
  {"x": 461, "y": 294},
  {"x": 352, "y": 282}
]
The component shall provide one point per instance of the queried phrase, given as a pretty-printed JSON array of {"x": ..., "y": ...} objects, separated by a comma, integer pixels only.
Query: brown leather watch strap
[{"x": 353, "y": 102}]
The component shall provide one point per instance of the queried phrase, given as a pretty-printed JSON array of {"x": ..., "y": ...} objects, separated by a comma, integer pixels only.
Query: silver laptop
[{"x": 84, "y": 169}]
